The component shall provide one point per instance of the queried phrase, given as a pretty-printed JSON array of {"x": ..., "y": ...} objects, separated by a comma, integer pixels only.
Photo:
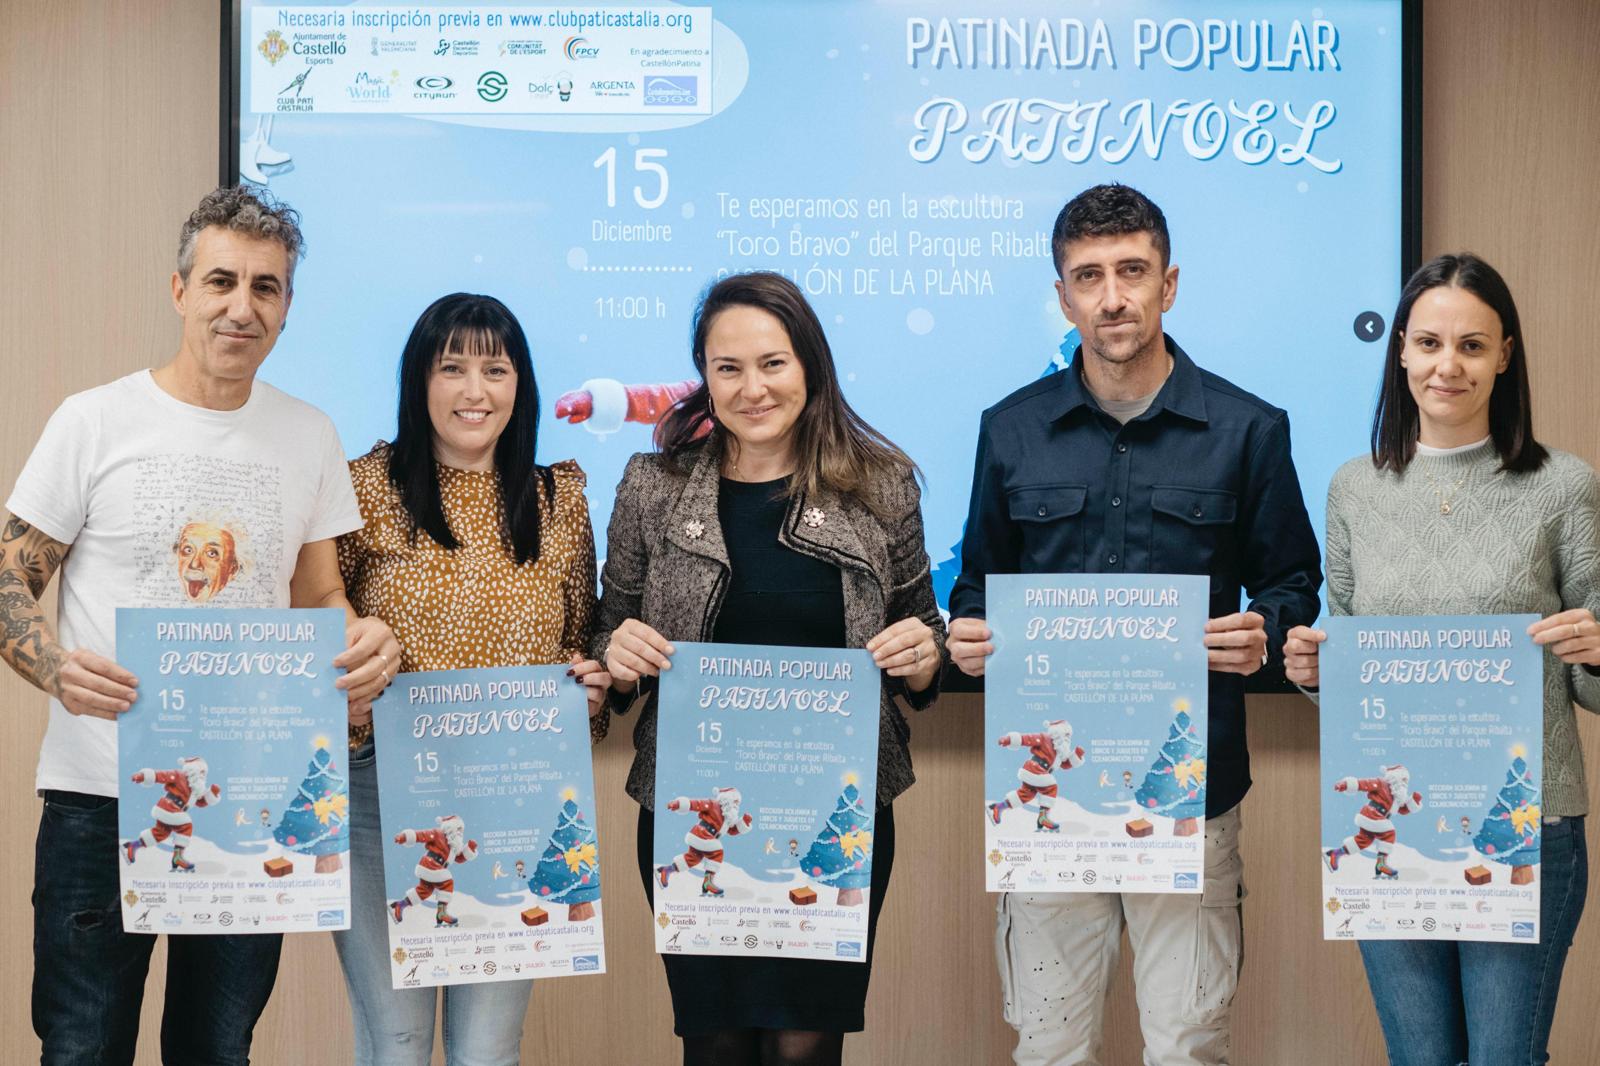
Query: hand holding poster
[
  {"x": 1432, "y": 738},
  {"x": 766, "y": 786},
  {"x": 233, "y": 806},
  {"x": 490, "y": 858},
  {"x": 1095, "y": 727}
]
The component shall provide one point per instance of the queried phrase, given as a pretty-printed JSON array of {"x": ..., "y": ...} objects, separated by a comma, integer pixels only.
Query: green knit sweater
[{"x": 1512, "y": 543}]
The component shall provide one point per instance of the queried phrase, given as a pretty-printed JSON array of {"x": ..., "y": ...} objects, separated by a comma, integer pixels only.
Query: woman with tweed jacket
[{"x": 772, "y": 514}]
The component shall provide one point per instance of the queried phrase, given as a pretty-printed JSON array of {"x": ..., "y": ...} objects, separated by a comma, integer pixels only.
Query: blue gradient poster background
[
  {"x": 1432, "y": 765},
  {"x": 904, "y": 162},
  {"x": 234, "y": 797}
]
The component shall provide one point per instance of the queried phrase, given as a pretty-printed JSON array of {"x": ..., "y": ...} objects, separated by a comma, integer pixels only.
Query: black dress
[{"x": 775, "y": 596}]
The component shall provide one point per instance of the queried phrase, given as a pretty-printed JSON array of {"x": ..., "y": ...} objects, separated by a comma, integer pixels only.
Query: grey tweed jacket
[{"x": 659, "y": 572}]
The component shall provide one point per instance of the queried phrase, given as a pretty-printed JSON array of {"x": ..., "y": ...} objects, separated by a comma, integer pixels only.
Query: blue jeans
[
  {"x": 394, "y": 1026},
  {"x": 1443, "y": 1003},
  {"x": 88, "y": 975}
]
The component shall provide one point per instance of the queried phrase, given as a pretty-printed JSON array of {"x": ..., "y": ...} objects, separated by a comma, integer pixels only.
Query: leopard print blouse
[{"x": 474, "y": 606}]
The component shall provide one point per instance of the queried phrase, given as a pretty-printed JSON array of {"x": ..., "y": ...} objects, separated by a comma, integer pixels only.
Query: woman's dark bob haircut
[
  {"x": 472, "y": 325},
  {"x": 1396, "y": 422},
  {"x": 834, "y": 446}
]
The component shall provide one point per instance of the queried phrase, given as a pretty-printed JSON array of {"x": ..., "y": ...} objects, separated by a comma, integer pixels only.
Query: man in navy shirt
[{"x": 1134, "y": 460}]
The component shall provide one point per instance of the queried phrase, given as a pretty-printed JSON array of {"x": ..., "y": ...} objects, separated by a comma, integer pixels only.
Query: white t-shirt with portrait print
[{"x": 164, "y": 504}]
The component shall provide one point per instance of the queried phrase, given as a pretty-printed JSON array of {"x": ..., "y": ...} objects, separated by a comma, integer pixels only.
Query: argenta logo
[
  {"x": 273, "y": 47},
  {"x": 492, "y": 86},
  {"x": 579, "y": 48},
  {"x": 585, "y": 963}
]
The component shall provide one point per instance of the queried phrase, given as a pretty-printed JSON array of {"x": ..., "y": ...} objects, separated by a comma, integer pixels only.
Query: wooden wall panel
[{"x": 108, "y": 136}]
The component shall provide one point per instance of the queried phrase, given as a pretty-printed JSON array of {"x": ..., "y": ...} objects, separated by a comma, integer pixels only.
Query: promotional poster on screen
[
  {"x": 596, "y": 166},
  {"x": 766, "y": 798},
  {"x": 233, "y": 797},
  {"x": 1095, "y": 733},
  {"x": 1432, "y": 761},
  {"x": 491, "y": 862}
]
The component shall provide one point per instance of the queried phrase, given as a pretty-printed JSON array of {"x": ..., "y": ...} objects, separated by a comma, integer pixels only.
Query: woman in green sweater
[{"x": 1459, "y": 510}]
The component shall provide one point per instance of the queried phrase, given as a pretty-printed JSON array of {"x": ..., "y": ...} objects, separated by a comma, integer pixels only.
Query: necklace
[{"x": 1439, "y": 494}]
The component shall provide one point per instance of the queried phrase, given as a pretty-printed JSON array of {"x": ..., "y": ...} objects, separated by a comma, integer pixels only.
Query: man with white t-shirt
[{"x": 191, "y": 483}]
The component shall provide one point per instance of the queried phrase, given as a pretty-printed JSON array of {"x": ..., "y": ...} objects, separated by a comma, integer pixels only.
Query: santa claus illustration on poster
[
  {"x": 182, "y": 788},
  {"x": 716, "y": 815},
  {"x": 443, "y": 845}
]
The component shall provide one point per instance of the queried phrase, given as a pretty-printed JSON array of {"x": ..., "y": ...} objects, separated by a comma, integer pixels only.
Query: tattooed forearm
[
  {"x": 30, "y": 554},
  {"x": 26, "y": 639}
]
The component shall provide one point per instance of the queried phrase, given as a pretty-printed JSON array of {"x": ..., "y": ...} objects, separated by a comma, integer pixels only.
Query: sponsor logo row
[
  {"x": 412, "y": 977},
  {"x": 1015, "y": 877},
  {"x": 493, "y": 86},
  {"x": 749, "y": 940},
  {"x": 146, "y": 919}
]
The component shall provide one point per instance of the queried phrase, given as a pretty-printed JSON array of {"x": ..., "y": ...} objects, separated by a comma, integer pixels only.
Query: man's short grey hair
[{"x": 242, "y": 209}]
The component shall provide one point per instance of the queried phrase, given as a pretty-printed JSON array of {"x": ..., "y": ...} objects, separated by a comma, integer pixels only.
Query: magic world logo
[
  {"x": 580, "y": 48},
  {"x": 369, "y": 88},
  {"x": 663, "y": 90}
]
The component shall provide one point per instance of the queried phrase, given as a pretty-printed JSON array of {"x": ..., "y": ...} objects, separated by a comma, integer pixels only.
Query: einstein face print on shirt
[
  {"x": 208, "y": 531},
  {"x": 207, "y": 558}
]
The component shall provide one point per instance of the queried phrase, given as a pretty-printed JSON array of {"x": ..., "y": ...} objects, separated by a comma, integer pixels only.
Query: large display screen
[{"x": 596, "y": 167}]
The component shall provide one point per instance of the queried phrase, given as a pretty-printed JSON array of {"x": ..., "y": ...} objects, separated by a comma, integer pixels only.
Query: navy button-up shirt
[{"x": 1201, "y": 483}]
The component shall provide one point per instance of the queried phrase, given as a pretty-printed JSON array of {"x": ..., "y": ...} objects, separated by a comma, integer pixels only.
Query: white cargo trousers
[{"x": 1057, "y": 954}]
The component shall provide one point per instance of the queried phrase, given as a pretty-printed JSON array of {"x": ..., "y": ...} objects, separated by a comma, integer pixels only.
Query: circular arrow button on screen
[{"x": 1369, "y": 326}]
